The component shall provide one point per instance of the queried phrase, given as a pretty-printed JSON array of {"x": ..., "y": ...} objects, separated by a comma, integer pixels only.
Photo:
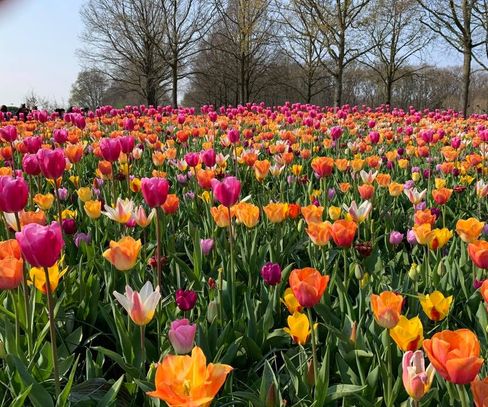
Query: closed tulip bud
[
  {"x": 310, "y": 373},
  {"x": 182, "y": 335},
  {"x": 110, "y": 148},
  {"x": 396, "y": 238},
  {"x": 51, "y": 162},
  {"x": 212, "y": 311},
  {"x": 30, "y": 165},
  {"x": 186, "y": 299},
  {"x": 154, "y": 191},
  {"x": 271, "y": 399},
  {"x": 413, "y": 271},
  {"x": 206, "y": 245},
  {"x": 358, "y": 271},
  {"x": 271, "y": 273},
  {"x": 69, "y": 226},
  {"x": 227, "y": 191},
  {"x": 14, "y": 194}
]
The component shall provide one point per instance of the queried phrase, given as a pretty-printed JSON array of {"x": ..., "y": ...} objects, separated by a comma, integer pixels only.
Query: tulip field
[{"x": 295, "y": 255}]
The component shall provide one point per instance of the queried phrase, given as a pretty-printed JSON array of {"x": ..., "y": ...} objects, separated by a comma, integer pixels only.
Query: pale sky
[{"x": 38, "y": 42}]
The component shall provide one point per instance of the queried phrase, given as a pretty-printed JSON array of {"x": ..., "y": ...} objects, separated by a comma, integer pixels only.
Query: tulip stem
[
  {"x": 26, "y": 296},
  {"x": 231, "y": 268},
  {"x": 389, "y": 382},
  {"x": 143, "y": 348},
  {"x": 314, "y": 347},
  {"x": 52, "y": 329},
  {"x": 58, "y": 205},
  {"x": 462, "y": 396},
  {"x": 158, "y": 268}
]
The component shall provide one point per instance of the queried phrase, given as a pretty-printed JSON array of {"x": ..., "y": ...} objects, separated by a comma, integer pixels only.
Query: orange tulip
[
  {"x": 441, "y": 195},
  {"x": 469, "y": 230},
  {"x": 395, "y": 189},
  {"x": 479, "y": 388},
  {"x": 220, "y": 215},
  {"x": 204, "y": 178},
  {"x": 11, "y": 265},
  {"x": 276, "y": 212},
  {"x": 387, "y": 308},
  {"x": 425, "y": 216},
  {"x": 383, "y": 180},
  {"x": 171, "y": 204},
  {"x": 343, "y": 232},
  {"x": 123, "y": 254},
  {"x": 183, "y": 380},
  {"x": 293, "y": 210},
  {"x": 312, "y": 213},
  {"x": 319, "y": 232},
  {"x": 366, "y": 191},
  {"x": 484, "y": 290},
  {"x": 422, "y": 233},
  {"x": 455, "y": 355},
  {"x": 247, "y": 213},
  {"x": 323, "y": 166},
  {"x": 261, "y": 169},
  {"x": 478, "y": 252},
  {"x": 344, "y": 187},
  {"x": 308, "y": 285}
]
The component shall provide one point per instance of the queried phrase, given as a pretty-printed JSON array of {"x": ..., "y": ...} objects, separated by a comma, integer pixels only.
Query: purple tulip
[
  {"x": 396, "y": 238},
  {"x": 271, "y": 273},
  {"x": 181, "y": 335},
  {"x": 206, "y": 245},
  {"x": 411, "y": 239},
  {"x": 82, "y": 237},
  {"x": 69, "y": 226}
]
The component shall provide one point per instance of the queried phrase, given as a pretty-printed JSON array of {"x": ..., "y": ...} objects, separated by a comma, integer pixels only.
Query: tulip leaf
[
  {"x": 110, "y": 397},
  {"x": 341, "y": 391},
  {"x": 134, "y": 372}
]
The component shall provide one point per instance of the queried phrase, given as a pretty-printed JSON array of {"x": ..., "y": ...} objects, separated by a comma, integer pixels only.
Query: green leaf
[
  {"x": 111, "y": 395},
  {"x": 63, "y": 397},
  {"x": 340, "y": 391}
]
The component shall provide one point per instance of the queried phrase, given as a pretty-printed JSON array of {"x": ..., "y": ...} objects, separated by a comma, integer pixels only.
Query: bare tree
[
  {"x": 459, "y": 23},
  {"x": 342, "y": 24},
  {"x": 301, "y": 43},
  {"x": 120, "y": 40},
  {"x": 185, "y": 23},
  {"x": 89, "y": 89},
  {"x": 397, "y": 36}
]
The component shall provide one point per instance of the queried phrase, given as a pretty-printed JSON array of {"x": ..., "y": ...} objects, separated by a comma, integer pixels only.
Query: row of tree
[{"x": 321, "y": 51}]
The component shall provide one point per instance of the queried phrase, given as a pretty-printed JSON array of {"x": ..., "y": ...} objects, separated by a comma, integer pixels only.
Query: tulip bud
[
  {"x": 354, "y": 333},
  {"x": 271, "y": 396},
  {"x": 413, "y": 272},
  {"x": 212, "y": 311},
  {"x": 3, "y": 354},
  {"x": 310, "y": 377},
  {"x": 441, "y": 269},
  {"x": 358, "y": 272}
]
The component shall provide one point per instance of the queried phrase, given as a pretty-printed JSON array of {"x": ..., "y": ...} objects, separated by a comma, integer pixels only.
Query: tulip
[
  {"x": 312, "y": 213},
  {"x": 359, "y": 214},
  {"x": 455, "y": 355},
  {"x": 276, "y": 212},
  {"x": 186, "y": 299},
  {"x": 226, "y": 192},
  {"x": 14, "y": 194},
  {"x": 478, "y": 253},
  {"x": 395, "y": 238},
  {"x": 140, "y": 217},
  {"x": 308, "y": 285},
  {"x": 44, "y": 202},
  {"x": 85, "y": 194},
  {"x": 11, "y": 265},
  {"x": 82, "y": 237},
  {"x": 387, "y": 308},
  {"x": 69, "y": 226},
  {"x": 291, "y": 301},
  {"x": 319, "y": 232},
  {"x": 334, "y": 212},
  {"x": 206, "y": 246},
  {"x": 368, "y": 177},
  {"x": 93, "y": 209},
  {"x": 414, "y": 196},
  {"x": 209, "y": 157},
  {"x": 323, "y": 166},
  {"x": 408, "y": 334},
  {"x": 30, "y": 164},
  {"x": 110, "y": 149},
  {"x": 127, "y": 144},
  {"x": 438, "y": 238},
  {"x": 247, "y": 213},
  {"x": 343, "y": 232},
  {"x": 192, "y": 159},
  {"x": 123, "y": 254},
  {"x": 187, "y": 380},
  {"x": 298, "y": 328},
  {"x": 220, "y": 215},
  {"x": 51, "y": 162},
  {"x": 139, "y": 305},
  {"x": 469, "y": 230},
  {"x": 479, "y": 388},
  {"x": 271, "y": 273},
  {"x": 366, "y": 191},
  {"x": 424, "y": 216},
  {"x": 38, "y": 277},
  {"x": 8, "y": 133},
  {"x": 60, "y": 136},
  {"x": 182, "y": 335},
  {"x": 435, "y": 305},
  {"x": 442, "y": 195},
  {"x": 122, "y": 211},
  {"x": 41, "y": 245},
  {"x": 154, "y": 191},
  {"x": 416, "y": 379},
  {"x": 33, "y": 144},
  {"x": 293, "y": 210}
]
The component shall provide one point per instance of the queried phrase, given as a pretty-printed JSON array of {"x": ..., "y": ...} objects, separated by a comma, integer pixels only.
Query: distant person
[
  {"x": 22, "y": 112},
  {"x": 4, "y": 109}
]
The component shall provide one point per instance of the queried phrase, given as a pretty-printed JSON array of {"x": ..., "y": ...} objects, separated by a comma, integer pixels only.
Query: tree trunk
[
  {"x": 151, "y": 92},
  {"x": 467, "y": 56},
  {"x": 242, "y": 80},
  {"x": 338, "y": 87},
  {"x": 388, "y": 89},
  {"x": 174, "y": 88}
]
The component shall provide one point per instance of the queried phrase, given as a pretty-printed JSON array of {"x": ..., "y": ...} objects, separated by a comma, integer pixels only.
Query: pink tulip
[
  {"x": 416, "y": 379},
  {"x": 192, "y": 159},
  {"x": 14, "y": 193},
  {"x": 8, "y": 133},
  {"x": 33, "y": 144},
  {"x": 227, "y": 192},
  {"x": 110, "y": 148},
  {"x": 127, "y": 143},
  {"x": 51, "y": 162},
  {"x": 140, "y": 305},
  {"x": 41, "y": 245},
  {"x": 181, "y": 335},
  {"x": 154, "y": 191},
  {"x": 60, "y": 136},
  {"x": 209, "y": 157},
  {"x": 233, "y": 135}
]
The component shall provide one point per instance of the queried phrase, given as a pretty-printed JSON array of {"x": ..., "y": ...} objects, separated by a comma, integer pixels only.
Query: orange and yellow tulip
[
  {"x": 387, "y": 308},
  {"x": 408, "y": 334},
  {"x": 469, "y": 230},
  {"x": 123, "y": 254}
]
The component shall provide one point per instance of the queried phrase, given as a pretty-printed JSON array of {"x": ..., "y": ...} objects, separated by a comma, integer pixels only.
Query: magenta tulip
[
  {"x": 154, "y": 190},
  {"x": 110, "y": 148},
  {"x": 14, "y": 193},
  {"x": 227, "y": 192},
  {"x": 41, "y": 245},
  {"x": 51, "y": 162},
  {"x": 186, "y": 299},
  {"x": 33, "y": 144},
  {"x": 30, "y": 164},
  {"x": 8, "y": 133}
]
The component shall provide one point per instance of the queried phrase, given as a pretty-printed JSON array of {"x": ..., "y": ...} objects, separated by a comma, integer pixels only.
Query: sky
[{"x": 38, "y": 41}]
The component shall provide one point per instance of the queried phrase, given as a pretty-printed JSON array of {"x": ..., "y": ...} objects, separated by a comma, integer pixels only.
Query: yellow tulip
[
  {"x": 44, "y": 202},
  {"x": 435, "y": 305},
  {"x": 84, "y": 193},
  {"x": 291, "y": 301},
  {"x": 408, "y": 334},
  {"x": 38, "y": 277},
  {"x": 93, "y": 209},
  {"x": 123, "y": 254},
  {"x": 334, "y": 212},
  {"x": 298, "y": 328},
  {"x": 438, "y": 238}
]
